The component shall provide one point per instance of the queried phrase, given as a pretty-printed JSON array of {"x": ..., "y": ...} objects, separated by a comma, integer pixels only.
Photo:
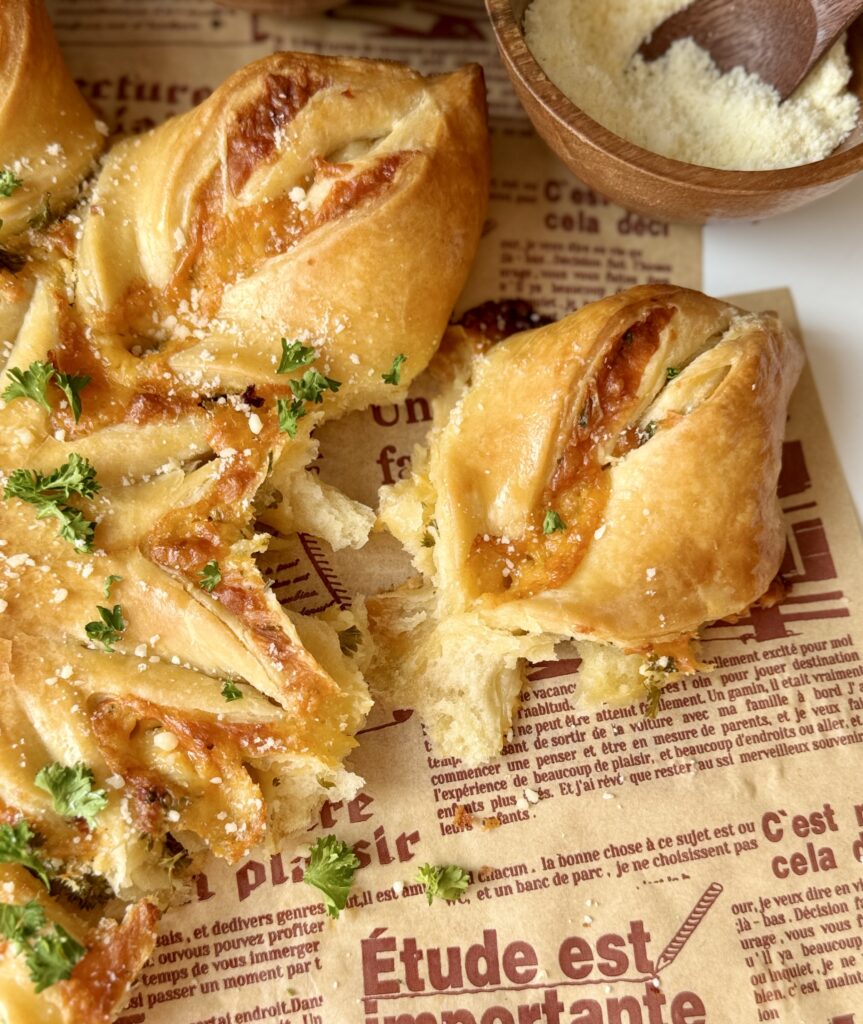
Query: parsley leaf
[
  {"x": 654, "y": 701},
  {"x": 107, "y": 631},
  {"x": 72, "y": 791},
  {"x": 211, "y": 576},
  {"x": 20, "y": 923},
  {"x": 230, "y": 691},
  {"x": 671, "y": 373},
  {"x": 350, "y": 640},
  {"x": 552, "y": 522},
  {"x": 331, "y": 869},
  {"x": 109, "y": 582},
  {"x": 394, "y": 374},
  {"x": 312, "y": 385},
  {"x": 30, "y": 383},
  {"x": 72, "y": 386},
  {"x": 447, "y": 883},
  {"x": 49, "y": 950},
  {"x": 289, "y": 413},
  {"x": 9, "y": 182},
  {"x": 15, "y": 849},
  {"x": 52, "y": 957},
  {"x": 49, "y": 493},
  {"x": 295, "y": 355}
]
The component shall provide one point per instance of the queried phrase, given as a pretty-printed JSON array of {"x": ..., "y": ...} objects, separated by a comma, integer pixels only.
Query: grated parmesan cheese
[{"x": 681, "y": 106}]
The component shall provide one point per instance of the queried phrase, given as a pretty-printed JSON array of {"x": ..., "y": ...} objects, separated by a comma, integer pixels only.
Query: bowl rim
[{"x": 521, "y": 62}]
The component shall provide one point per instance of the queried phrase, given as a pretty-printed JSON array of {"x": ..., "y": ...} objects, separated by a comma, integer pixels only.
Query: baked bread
[
  {"x": 49, "y": 137},
  {"x": 609, "y": 478},
  {"x": 336, "y": 202},
  {"x": 161, "y": 392}
]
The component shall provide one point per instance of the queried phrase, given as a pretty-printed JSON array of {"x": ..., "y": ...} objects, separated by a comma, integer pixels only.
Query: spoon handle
[{"x": 834, "y": 16}]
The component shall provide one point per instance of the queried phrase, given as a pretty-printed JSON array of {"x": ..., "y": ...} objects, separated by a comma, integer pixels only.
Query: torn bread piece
[{"x": 609, "y": 478}]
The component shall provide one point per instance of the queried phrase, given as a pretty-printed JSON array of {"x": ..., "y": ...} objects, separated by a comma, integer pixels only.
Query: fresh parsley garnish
[
  {"x": 230, "y": 691},
  {"x": 72, "y": 790},
  {"x": 33, "y": 383},
  {"x": 109, "y": 582},
  {"x": 331, "y": 869},
  {"x": 30, "y": 383},
  {"x": 50, "y": 493},
  {"x": 447, "y": 883},
  {"x": 72, "y": 386},
  {"x": 654, "y": 701},
  {"x": 49, "y": 950},
  {"x": 295, "y": 355},
  {"x": 394, "y": 374},
  {"x": 211, "y": 576},
  {"x": 15, "y": 849},
  {"x": 107, "y": 631},
  {"x": 312, "y": 385},
  {"x": 9, "y": 182},
  {"x": 552, "y": 522},
  {"x": 671, "y": 373},
  {"x": 350, "y": 640},
  {"x": 290, "y": 410}
]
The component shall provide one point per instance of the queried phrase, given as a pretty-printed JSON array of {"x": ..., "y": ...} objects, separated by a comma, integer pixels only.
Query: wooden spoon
[{"x": 778, "y": 40}]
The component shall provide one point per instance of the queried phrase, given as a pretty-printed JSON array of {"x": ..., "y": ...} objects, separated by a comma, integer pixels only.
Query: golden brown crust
[
  {"x": 116, "y": 952},
  {"x": 334, "y": 202},
  {"x": 350, "y": 194},
  {"x": 52, "y": 152},
  {"x": 610, "y": 478},
  {"x": 666, "y": 487}
]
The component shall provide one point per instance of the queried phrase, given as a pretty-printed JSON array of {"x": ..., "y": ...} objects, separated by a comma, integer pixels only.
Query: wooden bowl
[{"x": 654, "y": 184}]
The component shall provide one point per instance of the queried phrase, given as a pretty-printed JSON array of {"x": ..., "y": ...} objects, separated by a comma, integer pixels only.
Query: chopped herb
[
  {"x": 109, "y": 582},
  {"x": 552, "y": 522},
  {"x": 9, "y": 182},
  {"x": 49, "y": 950},
  {"x": 331, "y": 869},
  {"x": 312, "y": 385},
  {"x": 109, "y": 630},
  {"x": 72, "y": 386},
  {"x": 49, "y": 493},
  {"x": 211, "y": 576},
  {"x": 30, "y": 383},
  {"x": 394, "y": 374},
  {"x": 72, "y": 790},
  {"x": 664, "y": 663},
  {"x": 86, "y": 891},
  {"x": 295, "y": 355},
  {"x": 644, "y": 434},
  {"x": 40, "y": 220},
  {"x": 671, "y": 373},
  {"x": 15, "y": 849},
  {"x": 654, "y": 701},
  {"x": 427, "y": 540},
  {"x": 447, "y": 883},
  {"x": 289, "y": 413},
  {"x": 350, "y": 640},
  {"x": 230, "y": 691}
]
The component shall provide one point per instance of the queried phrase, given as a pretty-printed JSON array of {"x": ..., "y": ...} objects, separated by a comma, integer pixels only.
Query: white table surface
[{"x": 818, "y": 253}]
